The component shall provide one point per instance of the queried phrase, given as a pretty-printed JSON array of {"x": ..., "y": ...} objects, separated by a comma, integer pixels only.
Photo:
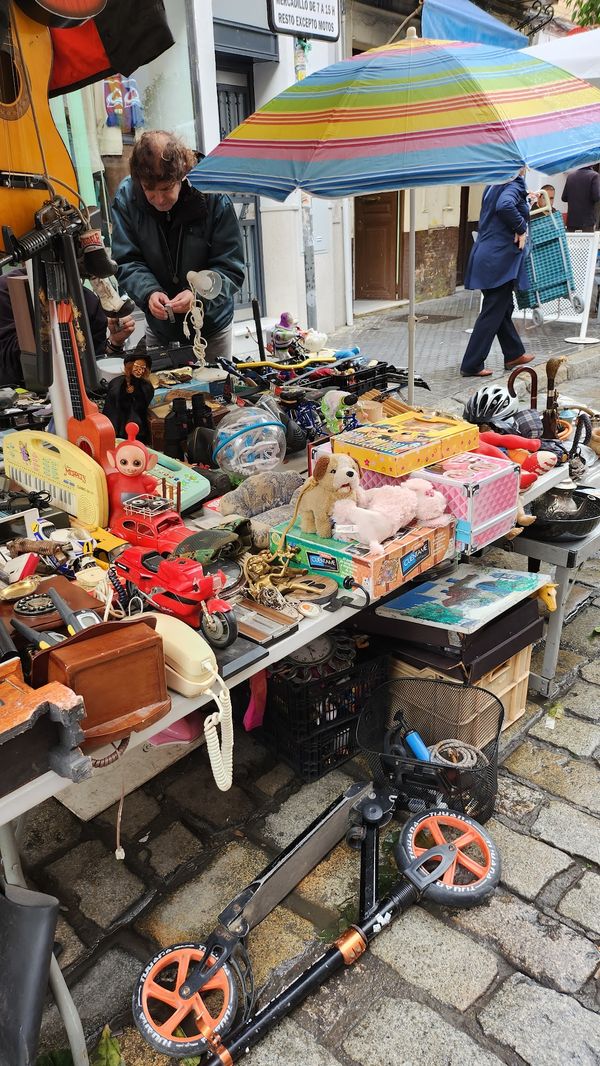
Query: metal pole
[
  {"x": 13, "y": 872},
  {"x": 412, "y": 320},
  {"x": 308, "y": 240}
]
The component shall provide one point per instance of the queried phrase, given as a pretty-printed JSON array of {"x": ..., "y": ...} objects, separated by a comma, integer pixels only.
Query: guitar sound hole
[{"x": 10, "y": 79}]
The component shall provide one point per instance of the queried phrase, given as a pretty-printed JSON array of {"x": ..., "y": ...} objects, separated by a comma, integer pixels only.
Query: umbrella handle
[{"x": 534, "y": 383}]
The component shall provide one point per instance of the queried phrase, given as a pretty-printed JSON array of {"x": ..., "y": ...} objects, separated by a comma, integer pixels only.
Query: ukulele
[
  {"x": 91, "y": 431},
  {"x": 34, "y": 162},
  {"x": 61, "y": 12}
]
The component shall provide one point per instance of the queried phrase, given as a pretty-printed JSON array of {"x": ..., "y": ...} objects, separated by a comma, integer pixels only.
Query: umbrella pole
[{"x": 412, "y": 321}]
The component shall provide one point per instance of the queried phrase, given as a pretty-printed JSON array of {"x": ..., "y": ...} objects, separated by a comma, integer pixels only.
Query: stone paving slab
[
  {"x": 437, "y": 958},
  {"x": 399, "y": 1032},
  {"x": 102, "y": 885},
  {"x": 579, "y": 632},
  {"x": 580, "y": 738},
  {"x": 544, "y": 948},
  {"x": 71, "y": 946},
  {"x": 276, "y": 779},
  {"x": 584, "y": 699},
  {"x": 191, "y": 911},
  {"x": 47, "y": 829},
  {"x": 340, "y": 1003},
  {"x": 527, "y": 864},
  {"x": 173, "y": 847},
  {"x": 542, "y": 1026},
  {"x": 567, "y": 664},
  {"x": 334, "y": 880},
  {"x": 559, "y": 774},
  {"x": 582, "y": 902},
  {"x": 102, "y": 994},
  {"x": 289, "y": 1043},
  {"x": 196, "y": 793},
  {"x": 281, "y": 937},
  {"x": 297, "y": 812},
  {"x": 139, "y": 810},
  {"x": 570, "y": 830},
  {"x": 515, "y": 800}
]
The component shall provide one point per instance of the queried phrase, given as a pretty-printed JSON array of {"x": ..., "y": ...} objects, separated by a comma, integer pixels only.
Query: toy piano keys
[{"x": 43, "y": 462}]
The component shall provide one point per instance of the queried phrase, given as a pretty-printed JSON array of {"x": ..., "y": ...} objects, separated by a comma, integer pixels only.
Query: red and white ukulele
[{"x": 91, "y": 431}]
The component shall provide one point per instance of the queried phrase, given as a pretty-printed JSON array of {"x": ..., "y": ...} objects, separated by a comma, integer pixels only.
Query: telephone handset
[{"x": 192, "y": 670}]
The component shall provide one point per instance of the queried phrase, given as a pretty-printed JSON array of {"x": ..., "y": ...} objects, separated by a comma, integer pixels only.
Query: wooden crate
[{"x": 509, "y": 681}]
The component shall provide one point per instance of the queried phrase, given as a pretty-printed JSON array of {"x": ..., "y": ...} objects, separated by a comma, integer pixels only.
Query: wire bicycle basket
[{"x": 459, "y": 725}]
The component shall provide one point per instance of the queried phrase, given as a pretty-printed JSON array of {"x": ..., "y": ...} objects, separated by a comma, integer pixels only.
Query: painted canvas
[{"x": 465, "y": 600}]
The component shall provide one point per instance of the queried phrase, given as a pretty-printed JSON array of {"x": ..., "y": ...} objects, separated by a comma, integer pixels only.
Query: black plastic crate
[
  {"x": 300, "y": 708},
  {"x": 312, "y": 727}
]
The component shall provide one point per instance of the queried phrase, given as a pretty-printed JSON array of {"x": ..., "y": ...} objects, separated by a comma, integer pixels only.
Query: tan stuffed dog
[{"x": 334, "y": 477}]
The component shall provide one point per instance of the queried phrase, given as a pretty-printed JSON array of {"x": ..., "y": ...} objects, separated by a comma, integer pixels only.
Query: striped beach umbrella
[{"x": 410, "y": 114}]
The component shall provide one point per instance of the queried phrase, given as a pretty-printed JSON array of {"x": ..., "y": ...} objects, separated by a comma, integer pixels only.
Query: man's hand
[
  {"x": 521, "y": 240},
  {"x": 182, "y": 302},
  {"x": 156, "y": 305},
  {"x": 119, "y": 329}
]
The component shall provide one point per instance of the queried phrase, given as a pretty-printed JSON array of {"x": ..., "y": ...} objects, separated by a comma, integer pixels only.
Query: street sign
[{"x": 318, "y": 19}]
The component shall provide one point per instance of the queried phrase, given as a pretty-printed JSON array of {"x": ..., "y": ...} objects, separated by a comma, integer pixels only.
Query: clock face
[{"x": 318, "y": 651}]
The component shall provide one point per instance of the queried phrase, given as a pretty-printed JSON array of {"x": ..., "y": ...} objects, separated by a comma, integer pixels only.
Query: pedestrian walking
[
  {"x": 163, "y": 228},
  {"x": 496, "y": 266},
  {"x": 582, "y": 197}
]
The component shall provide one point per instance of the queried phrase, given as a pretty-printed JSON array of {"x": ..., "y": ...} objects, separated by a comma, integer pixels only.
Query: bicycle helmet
[{"x": 491, "y": 403}]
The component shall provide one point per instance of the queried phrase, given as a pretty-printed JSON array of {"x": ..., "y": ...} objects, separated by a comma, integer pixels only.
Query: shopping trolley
[{"x": 548, "y": 263}]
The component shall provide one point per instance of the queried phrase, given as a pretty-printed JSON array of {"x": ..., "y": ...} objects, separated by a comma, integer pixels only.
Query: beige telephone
[{"x": 192, "y": 670}]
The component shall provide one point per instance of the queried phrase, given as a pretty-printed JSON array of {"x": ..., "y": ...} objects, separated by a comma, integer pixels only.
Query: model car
[
  {"x": 180, "y": 587},
  {"x": 151, "y": 522}
]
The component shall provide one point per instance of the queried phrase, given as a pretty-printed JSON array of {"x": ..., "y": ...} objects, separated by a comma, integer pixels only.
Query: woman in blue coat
[{"x": 497, "y": 267}]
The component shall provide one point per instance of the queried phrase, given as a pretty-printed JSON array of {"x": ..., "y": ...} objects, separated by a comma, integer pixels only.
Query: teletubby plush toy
[
  {"x": 131, "y": 461},
  {"x": 529, "y": 454}
]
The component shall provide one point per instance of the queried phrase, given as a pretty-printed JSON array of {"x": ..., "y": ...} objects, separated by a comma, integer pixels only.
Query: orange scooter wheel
[
  {"x": 171, "y": 1024},
  {"x": 474, "y": 873}
]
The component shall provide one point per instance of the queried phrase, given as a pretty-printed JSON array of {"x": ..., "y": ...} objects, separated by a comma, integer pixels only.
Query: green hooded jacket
[{"x": 155, "y": 249}]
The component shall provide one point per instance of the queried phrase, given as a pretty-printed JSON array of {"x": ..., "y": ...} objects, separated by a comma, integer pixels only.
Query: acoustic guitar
[
  {"x": 34, "y": 162},
  {"x": 61, "y": 12},
  {"x": 91, "y": 431}
]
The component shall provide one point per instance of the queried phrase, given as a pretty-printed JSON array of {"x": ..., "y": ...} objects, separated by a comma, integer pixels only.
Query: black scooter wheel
[
  {"x": 169, "y": 1023},
  {"x": 475, "y": 872}
]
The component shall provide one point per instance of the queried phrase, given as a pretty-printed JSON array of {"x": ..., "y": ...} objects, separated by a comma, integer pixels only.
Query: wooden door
[
  {"x": 376, "y": 246},
  {"x": 465, "y": 235}
]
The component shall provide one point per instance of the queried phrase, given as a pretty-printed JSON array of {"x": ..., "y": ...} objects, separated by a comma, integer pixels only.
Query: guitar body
[
  {"x": 19, "y": 150},
  {"x": 61, "y": 12},
  {"x": 91, "y": 431}
]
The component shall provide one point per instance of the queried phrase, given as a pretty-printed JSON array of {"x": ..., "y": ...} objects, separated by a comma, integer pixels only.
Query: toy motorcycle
[{"x": 179, "y": 586}]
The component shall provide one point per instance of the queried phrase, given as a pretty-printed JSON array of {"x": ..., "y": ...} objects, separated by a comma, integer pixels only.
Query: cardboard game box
[
  {"x": 379, "y": 573},
  {"x": 406, "y": 442}
]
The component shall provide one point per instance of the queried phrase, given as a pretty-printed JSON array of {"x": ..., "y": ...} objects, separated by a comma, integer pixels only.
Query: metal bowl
[{"x": 567, "y": 527}]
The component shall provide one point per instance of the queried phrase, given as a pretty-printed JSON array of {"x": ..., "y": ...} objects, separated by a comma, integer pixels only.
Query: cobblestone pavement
[
  {"x": 441, "y": 338},
  {"x": 514, "y": 981}
]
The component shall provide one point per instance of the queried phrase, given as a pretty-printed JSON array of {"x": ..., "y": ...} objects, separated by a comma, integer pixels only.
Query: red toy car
[
  {"x": 180, "y": 587},
  {"x": 151, "y": 522}
]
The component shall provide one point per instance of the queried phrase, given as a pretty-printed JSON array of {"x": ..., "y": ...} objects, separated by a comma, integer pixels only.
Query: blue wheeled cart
[{"x": 549, "y": 268}]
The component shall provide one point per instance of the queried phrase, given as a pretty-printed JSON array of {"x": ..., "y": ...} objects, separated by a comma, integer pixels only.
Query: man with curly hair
[{"x": 162, "y": 228}]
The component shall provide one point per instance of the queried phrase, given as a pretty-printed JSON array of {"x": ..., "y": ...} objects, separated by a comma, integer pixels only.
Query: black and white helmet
[{"x": 492, "y": 403}]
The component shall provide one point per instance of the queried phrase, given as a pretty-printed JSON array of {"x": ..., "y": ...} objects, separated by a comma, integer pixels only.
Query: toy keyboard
[{"x": 45, "y": 463}]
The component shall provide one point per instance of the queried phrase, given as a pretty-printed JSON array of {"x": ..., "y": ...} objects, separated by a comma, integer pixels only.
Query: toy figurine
[
  {"x": 131, "y": 461},
  {"x": 129, "y": 396},
  {"x": 336, "y": 410}
]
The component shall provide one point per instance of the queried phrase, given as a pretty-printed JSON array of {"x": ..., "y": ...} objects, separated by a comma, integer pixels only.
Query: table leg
[
  {"x": 13, "y": 874},
  {"x": 544, "y": 683}
]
